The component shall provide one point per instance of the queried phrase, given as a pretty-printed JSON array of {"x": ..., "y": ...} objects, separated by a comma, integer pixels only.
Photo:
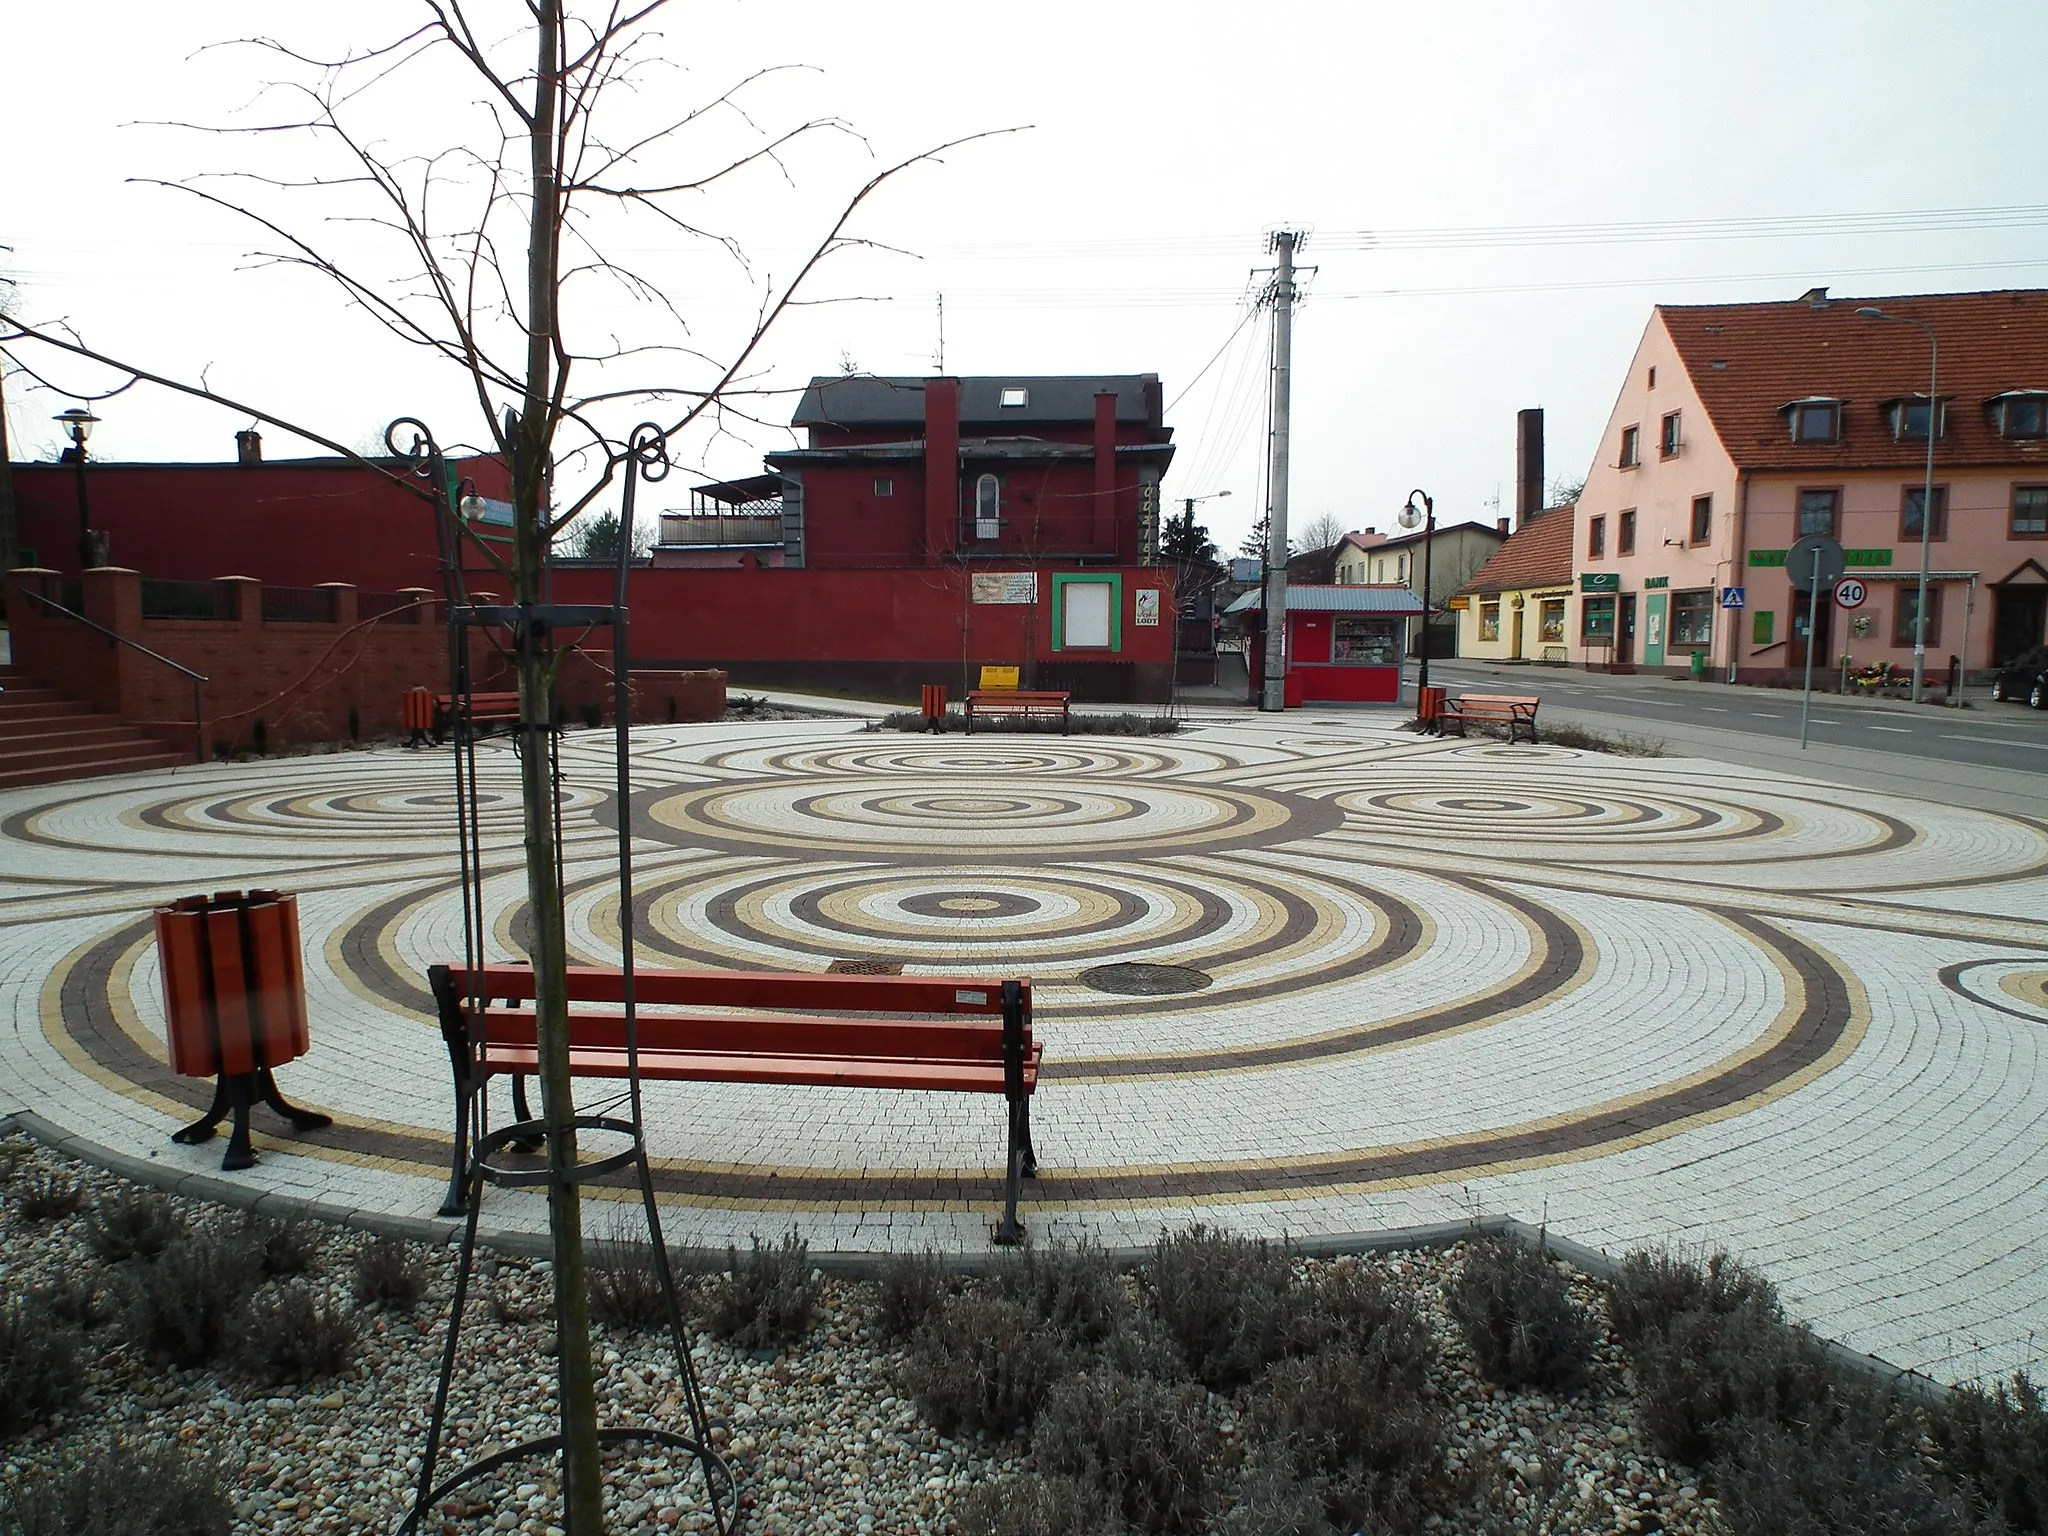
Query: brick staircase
[{"x": 47, "y": 736}]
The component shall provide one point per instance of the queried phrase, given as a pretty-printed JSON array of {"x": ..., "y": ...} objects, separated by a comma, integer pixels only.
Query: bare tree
[
  {"x": 488, "y": 255},
  {"x": 1322, "y": 531}
]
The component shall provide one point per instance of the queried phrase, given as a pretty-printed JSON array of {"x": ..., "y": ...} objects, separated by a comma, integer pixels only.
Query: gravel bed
[{"x": 820, "y": 1435}]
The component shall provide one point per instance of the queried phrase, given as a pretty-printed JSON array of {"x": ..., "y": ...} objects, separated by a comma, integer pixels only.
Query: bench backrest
[
  {"x": 994, "y": 679},
  {"x": 1499, "y": 700},
  {"x": 809, "y": 991}
]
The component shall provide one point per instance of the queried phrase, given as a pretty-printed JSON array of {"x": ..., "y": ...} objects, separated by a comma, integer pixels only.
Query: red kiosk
[{"x": 1345, "y": 645}]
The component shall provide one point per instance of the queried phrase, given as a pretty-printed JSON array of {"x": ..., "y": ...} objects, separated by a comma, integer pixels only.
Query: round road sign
[
  {"x": 1850, "y": 592},
  {"x": 1806, "y": 572}
]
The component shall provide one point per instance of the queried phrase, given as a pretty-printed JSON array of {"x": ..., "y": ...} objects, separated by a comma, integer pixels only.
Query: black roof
[{"x": 868, "y": 400}]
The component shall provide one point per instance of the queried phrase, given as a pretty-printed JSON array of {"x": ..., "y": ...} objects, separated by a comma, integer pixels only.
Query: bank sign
[
  {"x": 1600, "y": 581},
  {"x": 1765, "y": 559}
]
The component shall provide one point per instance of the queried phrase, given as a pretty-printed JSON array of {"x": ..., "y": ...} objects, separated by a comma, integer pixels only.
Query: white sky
[{"x": 1115, "y": 236}]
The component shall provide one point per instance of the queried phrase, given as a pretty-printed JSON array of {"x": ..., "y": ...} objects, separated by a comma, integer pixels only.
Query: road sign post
[
  {"x": 1850, "y": 592},
  {"x": 1816, "y": 561}
]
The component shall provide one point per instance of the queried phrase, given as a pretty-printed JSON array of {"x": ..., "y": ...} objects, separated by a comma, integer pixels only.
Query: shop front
[{"x": 1345, "y": 645}]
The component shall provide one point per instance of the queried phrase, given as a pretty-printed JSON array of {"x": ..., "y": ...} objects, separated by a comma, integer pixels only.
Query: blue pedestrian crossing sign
[{"x": 1734, "y": 597}]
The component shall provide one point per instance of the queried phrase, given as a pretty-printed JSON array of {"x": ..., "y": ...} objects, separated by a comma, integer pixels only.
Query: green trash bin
[{"x": 1699, "y": 665}]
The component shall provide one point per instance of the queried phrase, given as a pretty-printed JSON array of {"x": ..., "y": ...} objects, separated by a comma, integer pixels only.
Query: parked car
[{"x": 2024, "y": 679}]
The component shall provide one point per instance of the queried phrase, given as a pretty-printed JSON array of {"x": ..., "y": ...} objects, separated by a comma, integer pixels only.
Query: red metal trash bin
[{"x": 234, "y": 1006}]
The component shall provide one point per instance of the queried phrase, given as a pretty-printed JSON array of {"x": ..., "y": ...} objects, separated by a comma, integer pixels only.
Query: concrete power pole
[{"x": 1281, "y": 295}]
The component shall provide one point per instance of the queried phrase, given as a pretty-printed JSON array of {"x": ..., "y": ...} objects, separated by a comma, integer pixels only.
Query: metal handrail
[{"x": 199, "y": 679}]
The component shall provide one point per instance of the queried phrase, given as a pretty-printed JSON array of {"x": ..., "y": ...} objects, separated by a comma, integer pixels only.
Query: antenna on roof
[{"x": 942, "y": 335}]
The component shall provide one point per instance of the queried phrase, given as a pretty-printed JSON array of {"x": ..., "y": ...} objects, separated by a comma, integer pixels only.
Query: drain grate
[
  {"x": 1136, "y": 978},
  {"x": 865, "y": 968}
]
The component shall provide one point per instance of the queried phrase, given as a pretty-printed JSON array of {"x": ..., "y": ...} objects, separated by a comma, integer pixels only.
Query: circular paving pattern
[{"x": 1342, "y": 976}]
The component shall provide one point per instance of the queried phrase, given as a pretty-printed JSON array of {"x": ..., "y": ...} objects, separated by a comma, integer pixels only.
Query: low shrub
[
  {"x": 122, "y": 1490},
  {"x": 764, "y": 1297},
  {"x": 1351, "y": 1306},
  {"x": 1365, "y": 1437},
  {"x": 1707, "y": 1371},
  {"x": 1517, "y": 1314},
  {"x": 76, "y": 1301},
  {"x": 1998, "y": 1442},
  {"x": 47, "y": 1196},
  {"x": 1273, "y": 1500},
  {"x": 41, "y": 1371},
  {"x": 983, "y": 1362},
  {"x": 1848, "y": 1476},
  {"x": 911, "y": 1287},
  {"x": 1654, "y": 1287},
  {"x": 282, "y": 1246},
  {"x": 288, "y": 1335},
  {"x": 178, "y": 1307},
  {"x": 1563, "y": 733},
  {"x": 625, "y": 1287},
  {"x": 1034, "y": 1506},
  {"x": 1073, "y": 1287},
  {"x": 387, "y": 1273},
  {"x": 133, "y": 1226},
  {"x": 1145, "y": 1444},
  {"x": 1231, "y": 1303}
]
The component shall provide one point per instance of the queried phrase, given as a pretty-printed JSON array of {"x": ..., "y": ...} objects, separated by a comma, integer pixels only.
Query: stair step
[
  {"x": 98, "y": 733},
  {"x": 13, "y": 777},
  {"x": 53, "y": 716},
  {"x": 29, "y": 698}
]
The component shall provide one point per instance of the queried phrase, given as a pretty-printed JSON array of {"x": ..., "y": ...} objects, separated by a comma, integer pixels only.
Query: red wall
[{"x": 292, "y": 524}]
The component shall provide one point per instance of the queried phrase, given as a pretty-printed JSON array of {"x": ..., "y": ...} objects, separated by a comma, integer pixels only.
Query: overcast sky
[{"x": 1120, "y": 233}]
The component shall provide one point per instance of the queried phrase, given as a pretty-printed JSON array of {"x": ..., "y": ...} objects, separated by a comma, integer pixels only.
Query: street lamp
[
  {"x": 1927, "y": 490},
  {"x": 92, "y": 548},
  {"x": 1426, "y": 519}
]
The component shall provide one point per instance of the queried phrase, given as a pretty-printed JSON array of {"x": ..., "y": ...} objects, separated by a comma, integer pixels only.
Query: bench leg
[
  {"x": 1030, "y": 1152},
  {"x": 458, "y": 1173},
  {"x": 1009, "y": 1231},
  {"x": 520, "y": 1111}
]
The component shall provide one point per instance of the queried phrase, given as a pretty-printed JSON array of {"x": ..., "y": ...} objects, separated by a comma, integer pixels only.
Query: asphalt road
[{"x": 1985, "y": 735}]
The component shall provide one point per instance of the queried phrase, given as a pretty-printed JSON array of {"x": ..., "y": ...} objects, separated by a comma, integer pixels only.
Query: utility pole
[{"x": 1281, "y": 295}]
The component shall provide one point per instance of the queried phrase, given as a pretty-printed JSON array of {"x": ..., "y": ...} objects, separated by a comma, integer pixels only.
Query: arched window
[{"x": 988, "y": 508}]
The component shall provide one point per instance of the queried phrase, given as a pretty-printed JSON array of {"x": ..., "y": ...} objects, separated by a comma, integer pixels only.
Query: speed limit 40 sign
[{"x": 1850, "y": 592}]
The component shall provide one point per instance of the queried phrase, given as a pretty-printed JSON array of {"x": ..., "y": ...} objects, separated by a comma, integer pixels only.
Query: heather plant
[
  {"x": 387, "y": 1273},
  {"x": 1850, "y": 1474},
  {"x": 177, "y": 1308},
  {"x": 41, "y": 1372},
  {"x": 1231, "y": 1303},
  {"x": 763, "y": 1299},
  {"x": 1074, "y": 1288},
  {"x": 47, "y": 1196},
  {"x": 133, "y": 1226},
  {"x": 983, "y": 1362},
  {"x": 1517, "y": 1314},
  {"x": 625, "y": 1287},
  {"x": 283, "y": 1247},
  {"x": 910, "y": 1288},
  {"x": 1655, "y": 1287},
  {"x": 1142, "y": 1443},
  {"x": 1034, "y": 1506},
  {"x": 123, "y": 1489},
  {"x": 288, "y": 1335},
  {"x": 1997, "y": 1440}
]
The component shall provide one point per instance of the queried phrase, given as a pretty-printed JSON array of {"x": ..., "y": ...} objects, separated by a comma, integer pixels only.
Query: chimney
[
  {"x": 941, "y": 467},
  {"x": 1528, "y": 464},
  {"x": 1501, "y": 523},
  {"x": 249, "y": 447}
]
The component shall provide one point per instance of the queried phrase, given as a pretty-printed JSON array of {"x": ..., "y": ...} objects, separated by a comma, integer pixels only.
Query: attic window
[
  {"x": 2021, "y": 413},
  {"x": 1908, "y": 419},
  {"x": 1015, "y": 396},
  {"x": 1818, "y": 420}
]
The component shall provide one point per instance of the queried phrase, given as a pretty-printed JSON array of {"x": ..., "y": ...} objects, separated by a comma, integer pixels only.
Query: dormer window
[
  {"x": 1908, "y": 418},
  {"x": 1014, "y": 397},
  {"x": 1815, "y": 420},
  {"x": 2020, "y": 414}
]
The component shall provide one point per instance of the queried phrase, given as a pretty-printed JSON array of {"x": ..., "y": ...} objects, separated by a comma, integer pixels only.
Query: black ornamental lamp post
[
  {"x": 1410, "y": 516},
  {"x": 92, "y": 547}
]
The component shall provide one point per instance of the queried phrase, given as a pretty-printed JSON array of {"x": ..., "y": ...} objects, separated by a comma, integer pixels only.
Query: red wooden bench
[
  {"x": 951, "y": 1033},
  {"x": 1015, "y": 701},
  {"x": 1516, "y": 711},
  {"x": 485, "y": 709}
]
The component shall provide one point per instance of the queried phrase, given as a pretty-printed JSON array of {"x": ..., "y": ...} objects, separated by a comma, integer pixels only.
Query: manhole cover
[
  {"x": 865, "y": 968},
  {"x": 1136, "y": 979}
]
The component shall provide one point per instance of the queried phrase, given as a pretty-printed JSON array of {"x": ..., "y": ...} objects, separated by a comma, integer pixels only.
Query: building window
[
  {"x": 1359, "y": 641},
  {"x": 1653, "y": 376},
  {"x": 884, "y": 486},
  {"x": 988, "y": 508},
  {"x": 1703, "y": 519},
  {"x": 1625, "y": 533},
  {"x": 2021, "y": 414},
  {"x": 1909, "y": 420},
  {"x": 2030, "y": 511},
  {"x": 1902, "y": 629},
  {"x": 1667, "y": 440},
  {"x": 1909, "y": 513},
  {"x": 1630, "y": 446},
  {"x": 1014, "y": 397},
  {"x": 1815, "y": 421},
  {"x": 1550, "y": 621},
  {"x": 1817, "y": 512},
  {"x": 1596, "y": 539},
  {"x": 1489, "y": 619},
  {"x": 1692, "y": 618},
  {"x": 1401, "y": 568},
  {"x": 1087, "y": 613},
  {"x": 1596, "y": 618}
]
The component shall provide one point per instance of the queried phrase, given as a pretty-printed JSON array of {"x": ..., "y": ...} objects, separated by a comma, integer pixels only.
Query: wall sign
[
  {"x": 1004, "y": 586},
  {"x": 1148, "y": 524},
  {"x": 1600, "y": 581},
  {"x": 1766, "y": 559},
  {"x": 1147, "y": 615},
  {"x": 1655, "y": 583}
]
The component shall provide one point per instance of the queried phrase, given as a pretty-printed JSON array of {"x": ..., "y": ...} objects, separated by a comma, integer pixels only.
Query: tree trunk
[{"x": 582, "y": 1489}]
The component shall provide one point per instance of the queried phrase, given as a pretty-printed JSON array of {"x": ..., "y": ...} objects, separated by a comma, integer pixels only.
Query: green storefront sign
[
  {"x": 1655, "y": 583},
  {"x": 1767, "y": 558},
  {"x": 1600, "y": 581}
]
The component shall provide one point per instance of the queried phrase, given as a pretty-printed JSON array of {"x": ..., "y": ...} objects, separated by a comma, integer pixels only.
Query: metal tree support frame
[{"x": 645, "y": 457}]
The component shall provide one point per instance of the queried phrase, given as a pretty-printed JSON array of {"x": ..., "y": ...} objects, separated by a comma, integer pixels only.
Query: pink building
[{"x": 1743, "y": 426}]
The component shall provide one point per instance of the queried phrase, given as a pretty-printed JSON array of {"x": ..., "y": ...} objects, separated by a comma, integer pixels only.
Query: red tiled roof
[
  {"x": 1537, "y": 554},
  {"x": 1748, "y": 361}
]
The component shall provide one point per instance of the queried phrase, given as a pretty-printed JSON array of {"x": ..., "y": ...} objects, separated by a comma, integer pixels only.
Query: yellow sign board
[{"x": 998, "y": 677}]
